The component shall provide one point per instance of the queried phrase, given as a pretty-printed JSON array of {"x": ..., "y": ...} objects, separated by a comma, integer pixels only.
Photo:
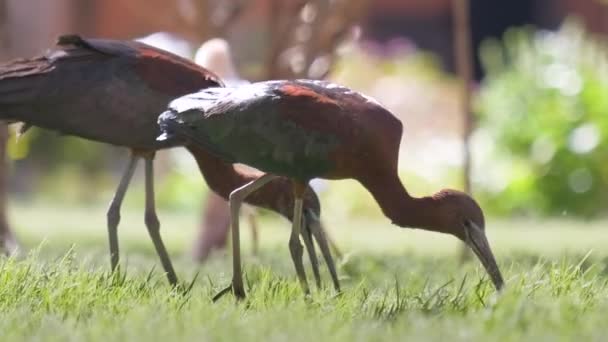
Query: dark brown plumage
[
  {"x": 112, "y": 91},
  {"x": 306, "y": 129}
]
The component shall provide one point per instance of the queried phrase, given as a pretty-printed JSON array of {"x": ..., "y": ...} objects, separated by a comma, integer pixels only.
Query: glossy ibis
[
  {"x": 215, "y": 54},
  {"x": 305, "y": 129},
  {"x": 112, "y": 91}
]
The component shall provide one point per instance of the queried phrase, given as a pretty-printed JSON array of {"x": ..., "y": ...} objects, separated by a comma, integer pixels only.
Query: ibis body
[
  {"x": 111, "y": 91},
  {"x": 305, "y": 129}
]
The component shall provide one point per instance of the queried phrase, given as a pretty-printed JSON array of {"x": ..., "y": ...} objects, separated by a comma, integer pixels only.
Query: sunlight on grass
[
  {"x": 61, "y": 227},
  {"x": 398, "y": 284}
]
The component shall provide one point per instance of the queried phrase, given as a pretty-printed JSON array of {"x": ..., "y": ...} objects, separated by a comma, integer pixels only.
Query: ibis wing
[
  {"x": 104, "y": 90},
  {"x": 23, "y": 80},
  {"x": 161, "y": 70},
  {"x": 103, "y": 46},
  {"x": 254, "y": 125}
]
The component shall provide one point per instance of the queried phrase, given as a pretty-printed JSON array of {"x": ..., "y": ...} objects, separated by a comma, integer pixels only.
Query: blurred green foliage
[
  {"x": 47, "y": 166},
  {"x": 48, "y": 163},
  {"x": 544, "y": 103}
]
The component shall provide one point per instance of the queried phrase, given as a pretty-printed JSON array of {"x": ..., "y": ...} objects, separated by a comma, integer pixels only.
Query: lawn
[{"x": 398, "y": 284}]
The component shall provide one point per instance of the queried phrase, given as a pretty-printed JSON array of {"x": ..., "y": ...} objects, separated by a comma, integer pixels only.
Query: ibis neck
[
  {"x": 400, "y": 207},
  {"x": 223, "y": 178}
]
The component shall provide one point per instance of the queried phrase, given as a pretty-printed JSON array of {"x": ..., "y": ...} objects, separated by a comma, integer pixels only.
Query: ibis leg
[
  {"x": 113, "y": 214},
  {"x": 312, "y": 253},
  {"x": 319, "y": 234},
  {"x": 8, "y": 244},
  {"x": 294, "y": 244},
  {"x": 236, "y": 199},
  {"x": 153, "y": 225}
]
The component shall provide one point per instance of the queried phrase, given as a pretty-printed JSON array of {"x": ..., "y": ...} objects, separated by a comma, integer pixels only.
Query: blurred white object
[
  {"x": 168, "y": 42},
  {"x": 216, "y": 56},
  {"x": 318, "y": 185}
]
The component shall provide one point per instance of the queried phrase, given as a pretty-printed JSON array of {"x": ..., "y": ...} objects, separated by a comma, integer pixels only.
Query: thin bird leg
[
  {"x": 255, "y": 240},
  {"x": 113, "y": 214},
  {"x": 8, "y": 244},
  {"x": 319, "y": 233},
  {"x": 236, "y": 199},
  {"x": 312, "y": 253},
  {"x": 153, "y": 224},
  {"x": 294, "y": 241}
]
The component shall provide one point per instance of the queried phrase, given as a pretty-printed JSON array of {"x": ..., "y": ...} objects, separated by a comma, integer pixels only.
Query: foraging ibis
[
  {"x": 307, "y": 129},
  {"x": 215, "y": 54},
  {"x": 112, "y": 91}
]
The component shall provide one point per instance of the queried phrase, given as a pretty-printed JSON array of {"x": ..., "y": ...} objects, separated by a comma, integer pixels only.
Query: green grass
[{"x": 398, "y": 284}]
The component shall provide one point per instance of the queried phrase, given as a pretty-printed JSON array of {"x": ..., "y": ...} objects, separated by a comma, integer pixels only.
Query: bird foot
[{"x": 238, "y": 293}]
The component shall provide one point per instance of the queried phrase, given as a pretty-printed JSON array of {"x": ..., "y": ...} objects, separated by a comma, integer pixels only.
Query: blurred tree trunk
[
  {"x": 194, "y": 20},
  {"x": 463, "y": 55},
  {"x": 464, "y": 68},
  {"x": 304, "y": 35},
  {"x": 7, "y": 241}
]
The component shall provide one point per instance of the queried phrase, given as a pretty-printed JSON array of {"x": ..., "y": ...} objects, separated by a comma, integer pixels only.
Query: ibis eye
[
  {"x": 467, "y": 224},
  {"x": 470, "y": 225},
  {"x": 466, "y": 227}
]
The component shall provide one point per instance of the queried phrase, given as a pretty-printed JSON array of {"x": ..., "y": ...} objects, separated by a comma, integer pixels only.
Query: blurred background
[{"x": 539, "y": 137}]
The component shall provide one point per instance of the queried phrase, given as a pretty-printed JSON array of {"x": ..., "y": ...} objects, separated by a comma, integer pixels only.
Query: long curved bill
[{"x": 476, "y": 239}]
